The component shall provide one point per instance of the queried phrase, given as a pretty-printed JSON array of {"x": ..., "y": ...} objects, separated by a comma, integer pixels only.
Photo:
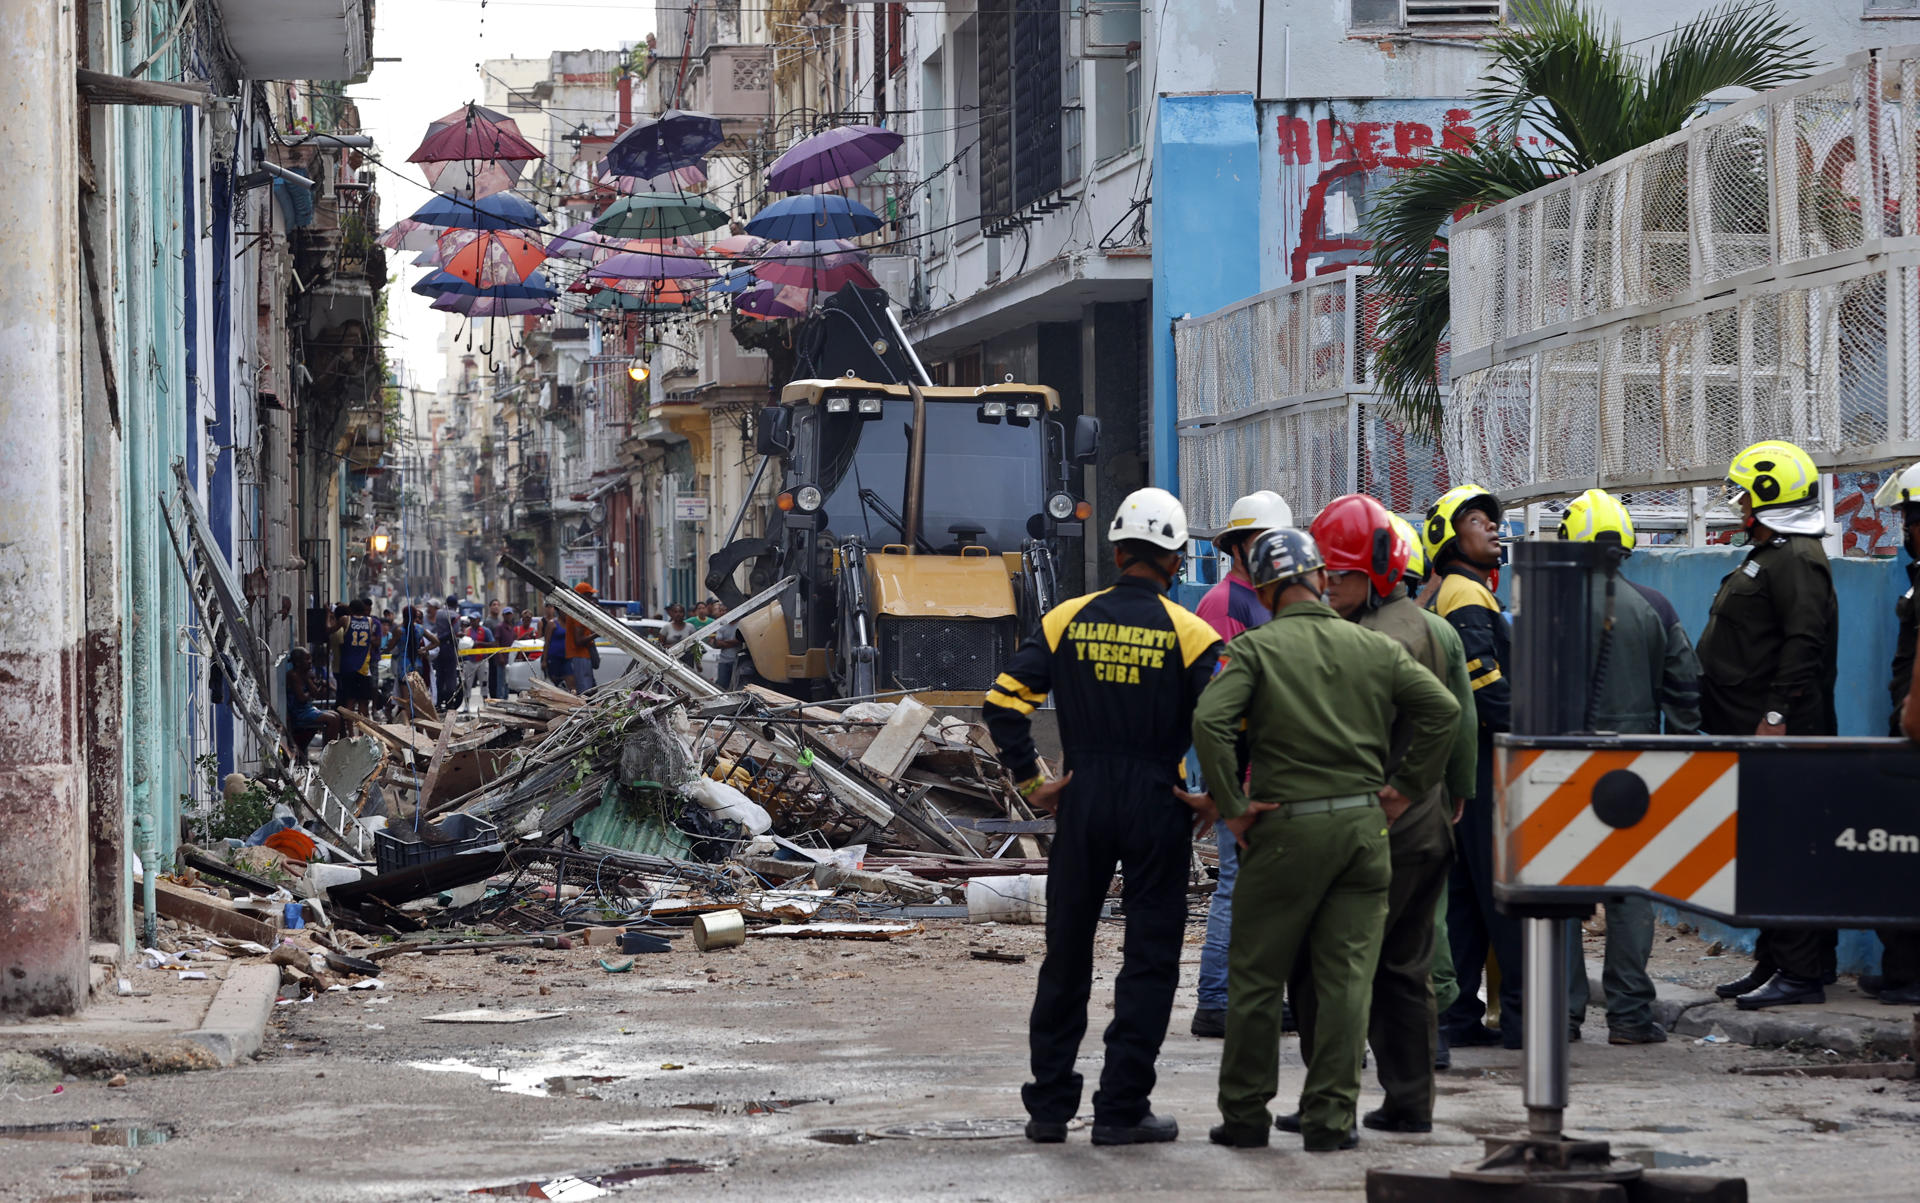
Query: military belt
[{"x": 1326, "y": 806}]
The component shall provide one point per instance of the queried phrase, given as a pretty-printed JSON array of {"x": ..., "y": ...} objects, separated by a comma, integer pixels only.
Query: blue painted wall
[{"x": 1206, "y": 232}]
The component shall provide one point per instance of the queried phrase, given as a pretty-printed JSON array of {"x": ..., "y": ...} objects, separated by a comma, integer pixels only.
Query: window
[
  {"x": 1072, "y": 121},
  {"x": 1432, "y": 15},
  {"x": 1133, "y": 104},
  {"x": 1901, "y": 8},
  {"x": 896, "y": 37},
  {"x": 1020, "y": 98}
]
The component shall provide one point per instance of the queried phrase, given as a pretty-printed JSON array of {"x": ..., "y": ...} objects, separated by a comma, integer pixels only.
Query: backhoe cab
[{"x": 923, "y": 523}]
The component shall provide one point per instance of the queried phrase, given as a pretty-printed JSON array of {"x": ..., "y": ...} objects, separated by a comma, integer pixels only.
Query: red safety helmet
[{"x": 1356, "y": 534}]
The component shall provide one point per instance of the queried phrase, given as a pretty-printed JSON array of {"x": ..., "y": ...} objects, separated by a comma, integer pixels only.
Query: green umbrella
[
  {"x": 659, "y": 215},
  {"x": 608, "y": 298}
]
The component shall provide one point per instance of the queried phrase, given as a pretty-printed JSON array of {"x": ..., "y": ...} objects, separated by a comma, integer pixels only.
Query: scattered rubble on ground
[{"x": 655, "y": 808}]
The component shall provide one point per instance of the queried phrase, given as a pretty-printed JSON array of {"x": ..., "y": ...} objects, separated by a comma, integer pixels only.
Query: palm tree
[{"x": 1556, "y": 72}]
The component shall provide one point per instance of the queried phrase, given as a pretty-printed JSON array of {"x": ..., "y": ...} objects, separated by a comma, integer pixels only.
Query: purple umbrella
[
  {"x": 453, "y": 302},
  {"x": 831, "y": 156},
  {"x": 771, "y": 302},
  {"x": 640, "y": 265},
  {"x": 823, "y": 266},
  {"x": 471, "y": 132}
]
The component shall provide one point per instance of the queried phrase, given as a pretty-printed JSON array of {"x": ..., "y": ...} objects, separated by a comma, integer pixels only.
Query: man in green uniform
[
  {"x": 1366, "y": 559},
  {"x": 1768, "y": 660},
  {"x": 1319, "y": 696},
  {"x": 1644, "y": 672}
]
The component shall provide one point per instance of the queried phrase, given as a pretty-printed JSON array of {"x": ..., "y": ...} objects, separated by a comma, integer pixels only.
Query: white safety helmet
[
  {"x": 1902, "y": 488},
  {"x": 1252, "y": 515},
  {"x": 1152, "y": 516}
]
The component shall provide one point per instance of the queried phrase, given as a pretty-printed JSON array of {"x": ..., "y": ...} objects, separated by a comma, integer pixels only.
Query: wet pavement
[{"x": 841, "y": 1072}]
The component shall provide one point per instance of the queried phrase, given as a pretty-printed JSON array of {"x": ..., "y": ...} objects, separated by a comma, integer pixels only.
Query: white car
[{"x": 523, "y": 671}]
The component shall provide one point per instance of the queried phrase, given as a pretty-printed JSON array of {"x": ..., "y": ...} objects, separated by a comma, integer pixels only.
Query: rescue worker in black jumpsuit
[
  {"x": 1125, "y": 666},
  {"x": 1899, "y": 978},
  {"x": 1768, "y": 662}
]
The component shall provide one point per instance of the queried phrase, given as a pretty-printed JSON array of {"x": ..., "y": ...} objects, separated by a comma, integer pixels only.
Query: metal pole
[
  {"x": 1544, "y": 1027},
  {"x": 746, "y": 501}
]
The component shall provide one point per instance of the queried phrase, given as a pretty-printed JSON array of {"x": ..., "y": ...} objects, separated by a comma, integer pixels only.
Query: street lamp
[
  {"x": 378, "y": 543},
  {"x": 639, "y": 370}
]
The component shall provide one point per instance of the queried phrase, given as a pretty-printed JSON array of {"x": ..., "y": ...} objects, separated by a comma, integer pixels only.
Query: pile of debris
[{"x": 656, "y": 803}]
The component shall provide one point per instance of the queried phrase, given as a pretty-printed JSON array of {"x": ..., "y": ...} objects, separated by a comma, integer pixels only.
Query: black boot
[
  {"x": 1907, "y": 995},
  {"x": 1759, "y": 976},
  {"x": 1381, "y": 1121},
  {"x": 1046, "y": 1132},
  {"x": 1236, "y": 1136},
  {"x": 1782, "y": 990},
  {"x": 1290, "y": 1122},
  {"x": 1442, "y": 1053},
  {"x": 1209, "y": 1024},
  {"x": 1151, "y": 1130}
]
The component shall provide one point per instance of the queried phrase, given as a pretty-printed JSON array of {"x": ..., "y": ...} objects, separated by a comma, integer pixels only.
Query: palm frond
[
  {"x": 1559, "y": 71},
  {"x": 1413, "y": 324},
  {"x": 1734, "y": 45}
]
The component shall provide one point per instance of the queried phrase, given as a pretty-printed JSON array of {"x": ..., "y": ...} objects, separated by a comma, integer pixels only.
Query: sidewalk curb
[
  {"x": 236, "y": 1020},
  {"x": 1685, "y": 1011}
]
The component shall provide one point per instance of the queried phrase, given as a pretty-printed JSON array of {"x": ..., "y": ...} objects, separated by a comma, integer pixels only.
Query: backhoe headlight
[
  {"x": 807, "y": 498},
  {"x": 1060, "y": 507}
]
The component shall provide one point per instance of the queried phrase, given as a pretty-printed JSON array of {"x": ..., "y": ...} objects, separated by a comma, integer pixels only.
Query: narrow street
[{"x": 850, "y": 1071}]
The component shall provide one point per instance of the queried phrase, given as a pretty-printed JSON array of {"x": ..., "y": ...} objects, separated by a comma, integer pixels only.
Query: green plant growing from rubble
[{"x": 235, "y": 817}]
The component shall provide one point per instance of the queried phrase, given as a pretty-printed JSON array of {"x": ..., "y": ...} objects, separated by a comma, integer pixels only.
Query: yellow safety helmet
[
  {"x": 1442, "y": 514},
  {"x": 1417, "y": 562},
  {"x": 1773, "y": 473},
  {"x": 1596, "y": 516}
]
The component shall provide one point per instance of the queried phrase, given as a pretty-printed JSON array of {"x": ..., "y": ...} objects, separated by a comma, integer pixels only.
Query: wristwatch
[{"x": 1776, "y": 719}]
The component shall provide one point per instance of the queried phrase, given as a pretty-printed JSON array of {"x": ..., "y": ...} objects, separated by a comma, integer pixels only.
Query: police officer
[
  {"x": 1230, "y": 607},
  {"x": 1125, "y": 666},
  {"x": 1320, "y": 697},
  {"x": 1899, "y": 978},
  {"x": 1462, "y": 541},
  {"x": 1366, "y": 560},
  {"x": 1768, "y": 662},
  {"x": 1644, "y": 671}
]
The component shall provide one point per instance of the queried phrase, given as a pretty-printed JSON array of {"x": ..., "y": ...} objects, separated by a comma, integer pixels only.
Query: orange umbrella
[{"x": 487, "y": 258}]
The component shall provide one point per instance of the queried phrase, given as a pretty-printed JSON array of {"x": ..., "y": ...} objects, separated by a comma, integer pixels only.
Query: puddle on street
[
  {"x": 596, "y": 1185},
  {"x": 957, "y": 1129},
  {"x": 118, "y": 1134},
  {"x": 748, "y": 1106},
  {"x": 1822, "y": 1124},
  {"x": 840, "y": 1136},
  {"x": 545, "y": 1080},
  {"x": 1654, "y": 1159}
]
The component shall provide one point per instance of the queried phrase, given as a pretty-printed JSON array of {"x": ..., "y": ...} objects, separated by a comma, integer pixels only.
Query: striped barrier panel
[{"x": 1775, "y": 831}]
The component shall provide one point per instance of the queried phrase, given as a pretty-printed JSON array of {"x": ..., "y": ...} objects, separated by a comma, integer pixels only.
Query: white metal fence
[
  {"x": 1274, "y": 393},
  {"x": 1753, "y": 276}
]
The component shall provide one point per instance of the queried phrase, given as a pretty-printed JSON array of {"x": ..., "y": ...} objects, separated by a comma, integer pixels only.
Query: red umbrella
[
  {"x": 471, "y": 132},
  {"x": 489, "y": 257},
  {"x": 822, "y": 266}
]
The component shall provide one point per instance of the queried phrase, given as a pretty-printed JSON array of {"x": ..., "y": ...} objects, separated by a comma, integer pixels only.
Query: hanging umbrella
[
  {"x": 473, "y": 178},
  {"x": 680, "y": 179},
  {"x": 489, "y": 257},
  {"x": 502, "y": 211},
  {"x": 810, "y": 218},
  {"x": 578, "y": 241},
  {"x": 471, "y": 132},
  {"x": 614, "y": 299},
  {"x": 659, "y": 215},
  {"x": 635, "y": 265},
  {"x": 409, "y": 235},
  {"x": 493, "y": 306},
  {"x": 738, "y": 246},
  {"x": 772, "y": 302},
  {"x": 441, "y": 282},
  {"x": 656, "y": 145},
  {"x": 831, "y": 157},
  {"x": 734, "y": 283},
  {"x": 821, "y": 266},
  {"x": 664, "y": 293},
  {"x": 429, "y": 258}
]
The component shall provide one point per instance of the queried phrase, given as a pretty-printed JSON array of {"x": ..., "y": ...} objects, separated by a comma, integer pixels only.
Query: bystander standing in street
[
  {"x": 726, "y": 644},
  {"x": 583, "y": 653},
  {"x": 1898, "y": 981},
  {"x": 304, "y": 695}
]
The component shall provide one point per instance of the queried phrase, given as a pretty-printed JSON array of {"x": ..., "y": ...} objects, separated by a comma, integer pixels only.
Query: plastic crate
[{"x": 396, "y": 849}]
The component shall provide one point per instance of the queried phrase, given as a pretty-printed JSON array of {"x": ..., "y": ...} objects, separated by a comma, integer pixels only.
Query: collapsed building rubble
[{"x": 649, "y": 810}]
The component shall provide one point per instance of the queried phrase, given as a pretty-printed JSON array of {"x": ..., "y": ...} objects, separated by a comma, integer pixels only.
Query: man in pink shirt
[{"x": 1230, "y": 607}]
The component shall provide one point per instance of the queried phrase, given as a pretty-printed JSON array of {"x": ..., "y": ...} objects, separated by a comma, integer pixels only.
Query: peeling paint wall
[{"x": 43, "y": 807}]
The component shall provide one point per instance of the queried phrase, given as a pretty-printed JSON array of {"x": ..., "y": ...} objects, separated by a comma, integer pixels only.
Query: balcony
[
  {"x": 300, "y": 39},
  {"x": 711, "y": 359}
]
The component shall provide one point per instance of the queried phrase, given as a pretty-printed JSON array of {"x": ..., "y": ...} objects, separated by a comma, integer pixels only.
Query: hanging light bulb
[{"x": 638, "y": 370}]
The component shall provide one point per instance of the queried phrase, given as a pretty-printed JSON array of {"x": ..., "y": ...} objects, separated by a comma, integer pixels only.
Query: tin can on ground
[{"x": 720, "y": 929}]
